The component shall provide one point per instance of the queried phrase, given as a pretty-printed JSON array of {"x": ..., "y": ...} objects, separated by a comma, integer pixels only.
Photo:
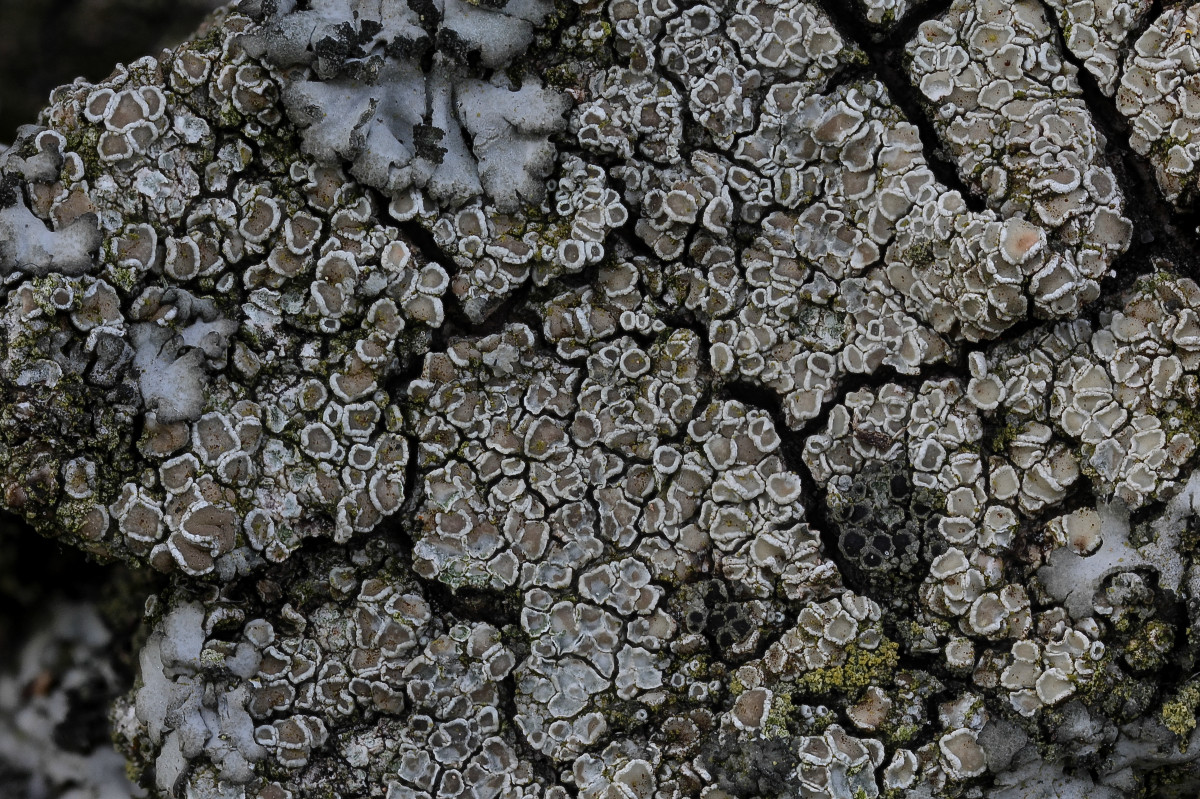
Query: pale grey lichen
[
  {"x": 370, "y": 98},
  {"x": 31, "y": 248},
  {"x": 56, "y": 683}
]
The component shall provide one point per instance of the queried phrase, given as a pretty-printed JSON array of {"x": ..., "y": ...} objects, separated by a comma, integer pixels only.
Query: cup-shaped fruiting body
[{"x": 964, "y": 758}]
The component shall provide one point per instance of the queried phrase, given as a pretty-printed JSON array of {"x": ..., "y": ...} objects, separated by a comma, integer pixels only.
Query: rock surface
[{"x": 618, "y": 399}]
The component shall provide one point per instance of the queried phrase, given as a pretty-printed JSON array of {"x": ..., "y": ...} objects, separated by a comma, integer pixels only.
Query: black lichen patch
[
  {"x": 882, "y": 522},
  {"x": 762, "y": 768}
]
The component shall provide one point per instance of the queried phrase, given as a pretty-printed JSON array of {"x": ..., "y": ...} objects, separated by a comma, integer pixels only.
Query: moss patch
[
  {"x": 862, "y": 669},
  {"x": 1179, "y": 712}
]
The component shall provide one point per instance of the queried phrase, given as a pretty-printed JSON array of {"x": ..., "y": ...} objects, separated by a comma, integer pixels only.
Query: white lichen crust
[
  {"x": 1160, "y": 96},
  {"x": 885, "y": 15},
  {"x": 632, "y": 399}
]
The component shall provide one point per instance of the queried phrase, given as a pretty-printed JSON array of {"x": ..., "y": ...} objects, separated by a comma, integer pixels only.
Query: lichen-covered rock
[
  {"x": 1159, "y": 94},
  {"x": 618, "y": 399},
  {"x": 1009, "y": 109},
  {"x": 213, "y": 371},
  {"x": 1097, "y": 33}
]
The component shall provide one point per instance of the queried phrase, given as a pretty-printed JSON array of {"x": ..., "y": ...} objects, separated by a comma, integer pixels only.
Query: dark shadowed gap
[
  {"x": 31, "y": 569},
  {"x": 46, "y": 43},
  {"x": 1160, "y": 230},
  {"x": 885, "y": 63},
  {"x": 36, "y": 571}
]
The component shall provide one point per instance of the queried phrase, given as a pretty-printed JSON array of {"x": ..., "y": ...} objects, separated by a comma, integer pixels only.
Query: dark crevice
[
  {"x": 48, "y": 43},
  {"x": 469, "y": 603},
  {"x": 412, "y": 485},
  {"x": 1160, "y": 229},
  {"x": 901, "y": 33},
  {"x": 514, "y": 308},
  {"x": 818, "y": 518},
  {"x": 65, "y": 574},
  {"x": 885, "y": 62},
  {"x": 791, "y": 450}
]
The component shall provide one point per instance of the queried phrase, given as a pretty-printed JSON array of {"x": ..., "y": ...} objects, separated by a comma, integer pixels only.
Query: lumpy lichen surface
[{"x": 615, "y": 398}]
